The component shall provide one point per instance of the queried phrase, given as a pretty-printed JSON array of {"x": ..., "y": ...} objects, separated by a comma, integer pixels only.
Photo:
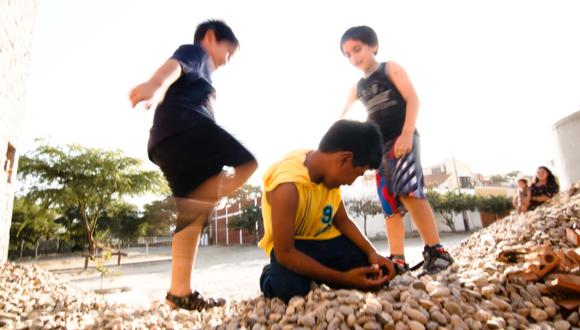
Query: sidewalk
[
  {"x": 76, "y": 262},
  {"x": 207, "y": 256}
]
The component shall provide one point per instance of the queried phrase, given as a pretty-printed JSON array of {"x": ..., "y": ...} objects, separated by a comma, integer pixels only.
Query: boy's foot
[
  {"x": 400, "y": 265},
  {"x": 193, "y": 301},
  {"x": 436, "y": 259}
]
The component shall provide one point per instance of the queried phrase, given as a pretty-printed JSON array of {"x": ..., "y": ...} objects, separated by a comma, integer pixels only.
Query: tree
[
  {"x": 512, "y": 176},
  {"x": 497, "y": 179},
  {"x": 124, "y": 222},
  {"x": 441, "y": 205},
  {"x": 89, "y": 179},
  {"x": 247, "y": 193},
  {"x": 160, "y": 217},
  {"x": 70, "y": 220},
  {"x": 468, "y": 203},
  {"x": 247, "y": 219},
  {"x": 364, "y": 207},
  {"x": 496, "y": 205},
  {"x": 31, "y": 223},
  {"x": 449, "y": 204}
]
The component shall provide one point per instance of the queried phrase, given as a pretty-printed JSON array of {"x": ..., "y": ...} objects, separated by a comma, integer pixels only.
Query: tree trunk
[
  {"x": 465, "y": 221},
  {"x": 36, "y": 250},
  {"x": 449, "y": 222},
  {"x": 365, "y": 225},
  {"x": 89, "y": 231},
  {"x": 21, "y": 248},
  {"x": 92, "y": 244}
]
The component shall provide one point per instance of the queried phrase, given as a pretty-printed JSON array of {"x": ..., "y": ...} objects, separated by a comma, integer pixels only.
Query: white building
[
  {"x": 441, "y": 177},
  {"x": 15, "y": 40},
  {"x": 450, "y": 174}
]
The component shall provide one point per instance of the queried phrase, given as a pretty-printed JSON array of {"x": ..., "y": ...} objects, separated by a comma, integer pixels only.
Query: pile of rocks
[{"x": 473, "y": 294}]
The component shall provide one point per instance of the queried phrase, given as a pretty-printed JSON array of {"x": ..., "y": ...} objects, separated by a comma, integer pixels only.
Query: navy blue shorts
[
  {"x": 338, "y": 253},
  {"x": 400, "y": 177},
  {"x": 189, "y": 158}
]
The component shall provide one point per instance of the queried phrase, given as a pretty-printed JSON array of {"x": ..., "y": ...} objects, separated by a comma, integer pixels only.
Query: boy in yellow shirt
[{"x": 308, "y": 234}]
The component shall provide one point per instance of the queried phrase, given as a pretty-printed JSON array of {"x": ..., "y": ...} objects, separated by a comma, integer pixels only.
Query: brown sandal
[{"x": 194, "y": 301}]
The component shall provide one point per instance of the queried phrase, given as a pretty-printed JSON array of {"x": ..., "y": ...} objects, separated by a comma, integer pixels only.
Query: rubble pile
[{"x": 518, "y": 273}]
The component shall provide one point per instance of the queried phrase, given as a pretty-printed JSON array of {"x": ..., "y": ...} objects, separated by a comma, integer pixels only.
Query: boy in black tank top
[{"x": 392, "y": 105}]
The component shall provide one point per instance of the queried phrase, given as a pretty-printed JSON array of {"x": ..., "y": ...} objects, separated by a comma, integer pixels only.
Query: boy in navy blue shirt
[{"x": 191, "y": 149}]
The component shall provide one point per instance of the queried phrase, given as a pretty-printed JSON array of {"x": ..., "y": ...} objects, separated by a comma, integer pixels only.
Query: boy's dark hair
[
  {"x": 524, "y": 180},
  {"x": 362, "y": 33},
  {"x": 364, "y": 140},
  {"x": 222, "y": 32}
]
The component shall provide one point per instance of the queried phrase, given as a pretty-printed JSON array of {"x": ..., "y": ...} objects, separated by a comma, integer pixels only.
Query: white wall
[
  {"x": 17, "y": 19},
  {"x": 566, "y": 134}
]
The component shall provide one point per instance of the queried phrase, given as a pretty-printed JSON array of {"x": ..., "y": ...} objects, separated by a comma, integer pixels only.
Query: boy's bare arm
[
  {"x": 349, "y": 102},
  {"x": 153, "y": 90},
  {"x": 349, "y": 229},
  {"x": 403, "y": 84},
  {"x": 284, "y": 201}
]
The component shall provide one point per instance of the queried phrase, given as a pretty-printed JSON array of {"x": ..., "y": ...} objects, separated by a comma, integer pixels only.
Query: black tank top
[{"x": 385, "y": 105}]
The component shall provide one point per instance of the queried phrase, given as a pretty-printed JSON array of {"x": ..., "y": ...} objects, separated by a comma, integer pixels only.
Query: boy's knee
[
  {"x": 198, "y": 221},
  {"x": 281, "y": 285},
  {"x": 285, "y": 290},
  {"x": 252, "y": 165}
]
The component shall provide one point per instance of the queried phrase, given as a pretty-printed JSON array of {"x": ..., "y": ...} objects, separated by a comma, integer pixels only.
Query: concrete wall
[
  {"x": 17, "y": 17},
  {"x": 566, "y": 134}
]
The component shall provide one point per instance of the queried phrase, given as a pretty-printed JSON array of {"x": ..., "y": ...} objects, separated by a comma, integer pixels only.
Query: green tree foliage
[
  {"x": 160, "y": 217},
  {"x": 124, "y": 222},
  {"x": 32, "y": 222},
  {"x": 497, "y": 179},
  {"x": 87, "y": 179},
  {"x": 449, "y": 204},
  {"x": 496, "y": 205},
  {"x": 247, "y": 220},
  {"x": 364, "y": 207},
  {"x": 245, "y": 195},
  {"x": 70, "y": 220},
  {"x": 512, "y": 176}
]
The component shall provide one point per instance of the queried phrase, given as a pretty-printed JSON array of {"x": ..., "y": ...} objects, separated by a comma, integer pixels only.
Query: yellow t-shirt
[{"x": 317, "y": 204}]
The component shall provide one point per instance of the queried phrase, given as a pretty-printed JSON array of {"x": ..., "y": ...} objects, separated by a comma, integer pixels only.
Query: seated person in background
[
  {"x": 522, "y": 197},
  {"x": 543, "y": 187},
  {"x": 308, "y": 234}
]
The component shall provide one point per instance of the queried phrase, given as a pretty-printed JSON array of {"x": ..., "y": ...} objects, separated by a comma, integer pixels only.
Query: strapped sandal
[{"x": 194, "y": 301}]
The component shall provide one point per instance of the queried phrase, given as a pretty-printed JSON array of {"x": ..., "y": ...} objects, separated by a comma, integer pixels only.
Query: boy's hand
[
  {"x": 365, "y": 278},
  {"x": 403, "y": 145},
  {"x": 385, "y": 265},
  {"x": 147, "y": 92}
]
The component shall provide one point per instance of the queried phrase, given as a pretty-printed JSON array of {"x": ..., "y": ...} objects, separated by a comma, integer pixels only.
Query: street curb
[{"x": 82, "y": 269}]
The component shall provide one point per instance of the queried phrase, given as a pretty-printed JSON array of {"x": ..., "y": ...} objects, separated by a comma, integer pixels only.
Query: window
[
  {"x": 9, "y": 162},
  {"x": 466, "y": 182}
]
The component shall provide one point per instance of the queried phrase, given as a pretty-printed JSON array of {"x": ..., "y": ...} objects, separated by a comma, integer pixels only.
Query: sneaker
[
  {"x": 401, "y": 267},
  {"x": 436, "y": 259}
]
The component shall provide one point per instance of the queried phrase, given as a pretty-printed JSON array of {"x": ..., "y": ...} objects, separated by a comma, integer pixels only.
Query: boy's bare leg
[
  {"x": 396, "y": 234},
  {"x": 194, "y": 212},
  {"x": 221, "y": 185},
  {"x": 423, "y": 218},
  {"x": 183, "y": 253}
]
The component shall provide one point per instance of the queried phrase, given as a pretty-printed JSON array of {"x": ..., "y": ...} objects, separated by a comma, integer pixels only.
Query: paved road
[{"x": 230, "y": 272}]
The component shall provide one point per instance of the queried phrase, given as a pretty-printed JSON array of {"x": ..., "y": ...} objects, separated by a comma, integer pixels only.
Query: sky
[{"x": 492, "y": 76}]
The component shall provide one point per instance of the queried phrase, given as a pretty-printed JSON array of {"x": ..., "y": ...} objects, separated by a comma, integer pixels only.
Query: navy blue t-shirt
[{"x": 188, "y": 100}]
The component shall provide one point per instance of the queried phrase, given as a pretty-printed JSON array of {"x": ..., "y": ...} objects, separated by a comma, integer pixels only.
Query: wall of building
[
  {"x": 17, "y": 17},
  {"x": 566, "y": 134}
]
